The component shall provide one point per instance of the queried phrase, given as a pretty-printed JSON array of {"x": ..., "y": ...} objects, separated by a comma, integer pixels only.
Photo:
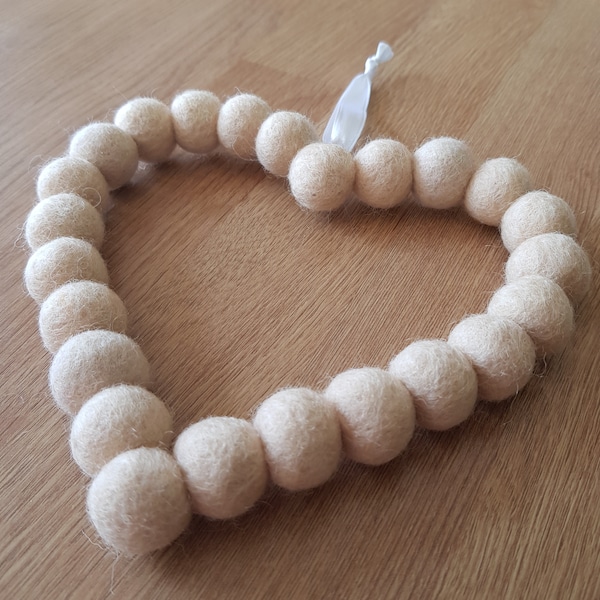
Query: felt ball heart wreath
[{"x": 146, "y": 485}]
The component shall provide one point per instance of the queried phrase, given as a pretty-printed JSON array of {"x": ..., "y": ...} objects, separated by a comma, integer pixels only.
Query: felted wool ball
[
  {"x": 224, "y": 466},
  {"x": 441, "y": 380},
  {"x": 148, "y": 121},
  {"x": 554, "y": 256},
  {"x": 301, "y": 437},
  {"x": 68, "y": 175},
  {"x": 321, "y": 176},
  {"x": 494, "y": 187},
  {"x": 442, "y": 168},
  {"x": 80, "y": 306},
  {"x": 533, "y": 214},
  {"x": 91, "y": 361},
  {"x": 108, "y": 147},
  {"x": 376, "y": 414},
  {"x": 238, "y": 123},
  {"x": 280, "y": 138},
  {"x": 115, "y": 420},
  {"x": 501, "y": 352},
  {"x": 138, "y": 502},
  {"x": 541, "y": 308},
  {"x": 61, "y": 261},
  {"x": 383, "y": 175},
  {"x": 63, "y": 215},
  {"x": 195, "y": 114}
]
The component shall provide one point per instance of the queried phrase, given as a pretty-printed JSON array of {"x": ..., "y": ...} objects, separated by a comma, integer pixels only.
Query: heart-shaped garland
[{"x": 142, "y": 496}]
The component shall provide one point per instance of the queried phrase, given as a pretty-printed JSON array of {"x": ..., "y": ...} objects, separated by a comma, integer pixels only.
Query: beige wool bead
[
  {"x": 69, "y": 175},
  {"x": 541, "y": 308},
  {"x": 91, "y": 361},
  {"x": 224, "y": 467},
  {"x": 61, "y": 261},
  {"x": 501, "y": 352},
  {"x": 554, "y": 256},
  {"x": 383, "y": 177},
  {"x": 442, "y": 168},
  {"x": 110, "y": 149},
  {"x": 115, "y": 420},
  {"x": 138, "y": 501},
  {"x": 63, "y": 215},
  {"x": 148, "y": 121},
  {"x": 238, "y": 123},
  {"x": 533, "y": 214},
  {"x": 280, "y": 138},
  {"x": 195, "y": 114},
  {"x": 441, "y": 380},
  {"x": 376, "y": 414},
  {"x": 494, "y": 187},
  {"x": 321, "y": 176},
  {"x": 80, "y": 306},
  {"x": 301, "y": 436}
]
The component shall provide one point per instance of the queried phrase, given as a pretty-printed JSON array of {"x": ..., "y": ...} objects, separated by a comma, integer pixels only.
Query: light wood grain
[{"x": 234, "y": 292}]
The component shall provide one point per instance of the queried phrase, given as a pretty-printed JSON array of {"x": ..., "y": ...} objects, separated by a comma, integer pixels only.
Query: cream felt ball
[
  {"x": 61, "y": 261},
  {"x": 533, "y": 214},
  {"x": 376, "y": 414},
  {"x": 496, "y": 184},
  {"x": 138, "y": 501},
  {"x": 301, "y": 436},
  {"x": 442, "y": 168},
  {"x": 238, "y": 123},
  {"x": 321, "y": 176},
  {"x": 80, "y": 306},
  {"x": 109, "y": 148},
  {"x": 117, "y": 419},
  {"x": 383, "y": 175},
  {"x": 224, "y": 467},
  {"x": 69, "y": 175},
  {"x": 148, "y": 121},
  {"x": 63, "y": 215},
  {"x": 541, "y": 308},
  {"x": 195, "y": 114},
  {"x": 280, "y": 138},
  {"x": 555, "y": 256},
  {"x": 441, "y": 380},
  {"x": 91, "y": 361},
  {"x": 501, "y": 352}
]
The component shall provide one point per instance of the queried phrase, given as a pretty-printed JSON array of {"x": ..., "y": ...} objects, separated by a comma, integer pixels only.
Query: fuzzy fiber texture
[
  {"x": 79, "y": 306},
  {"x": 61, "y": 261},
  {"x": 138, "y": 502},
  {"x": 383, "y": 177},
  {"x": 554, "y": 256},
  {"x": 441, "y": 380},
  {"x": 501, "y": 352},
  {"x": 94, "y": 360},
  {"x": 541, "y": 308},
  {"x": 376, "y": 414},
  {"x": 322, "y": 176},
  {"x": 280, "y": 138},
  {"x": 533, "y": 214},
  {"x": 195, "y": 114},
  {"x": 148, "y": 121},
  {"x": 223, "y": 463},
  {"x": 494, "y": 187},
  {"x": 63, "y": 215},
  {"x": 301, "y": 437},
  {"x": 239, "y": 120},
  {"x": 110, "y": 149},
  {"x": 68, "y": 175},
  {"x": 115, "y": 420},
  {"x": 442, "y": 168}
]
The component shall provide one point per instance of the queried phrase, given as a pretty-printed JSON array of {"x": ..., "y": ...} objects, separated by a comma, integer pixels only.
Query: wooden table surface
[{"x": 234, "y": 292}]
